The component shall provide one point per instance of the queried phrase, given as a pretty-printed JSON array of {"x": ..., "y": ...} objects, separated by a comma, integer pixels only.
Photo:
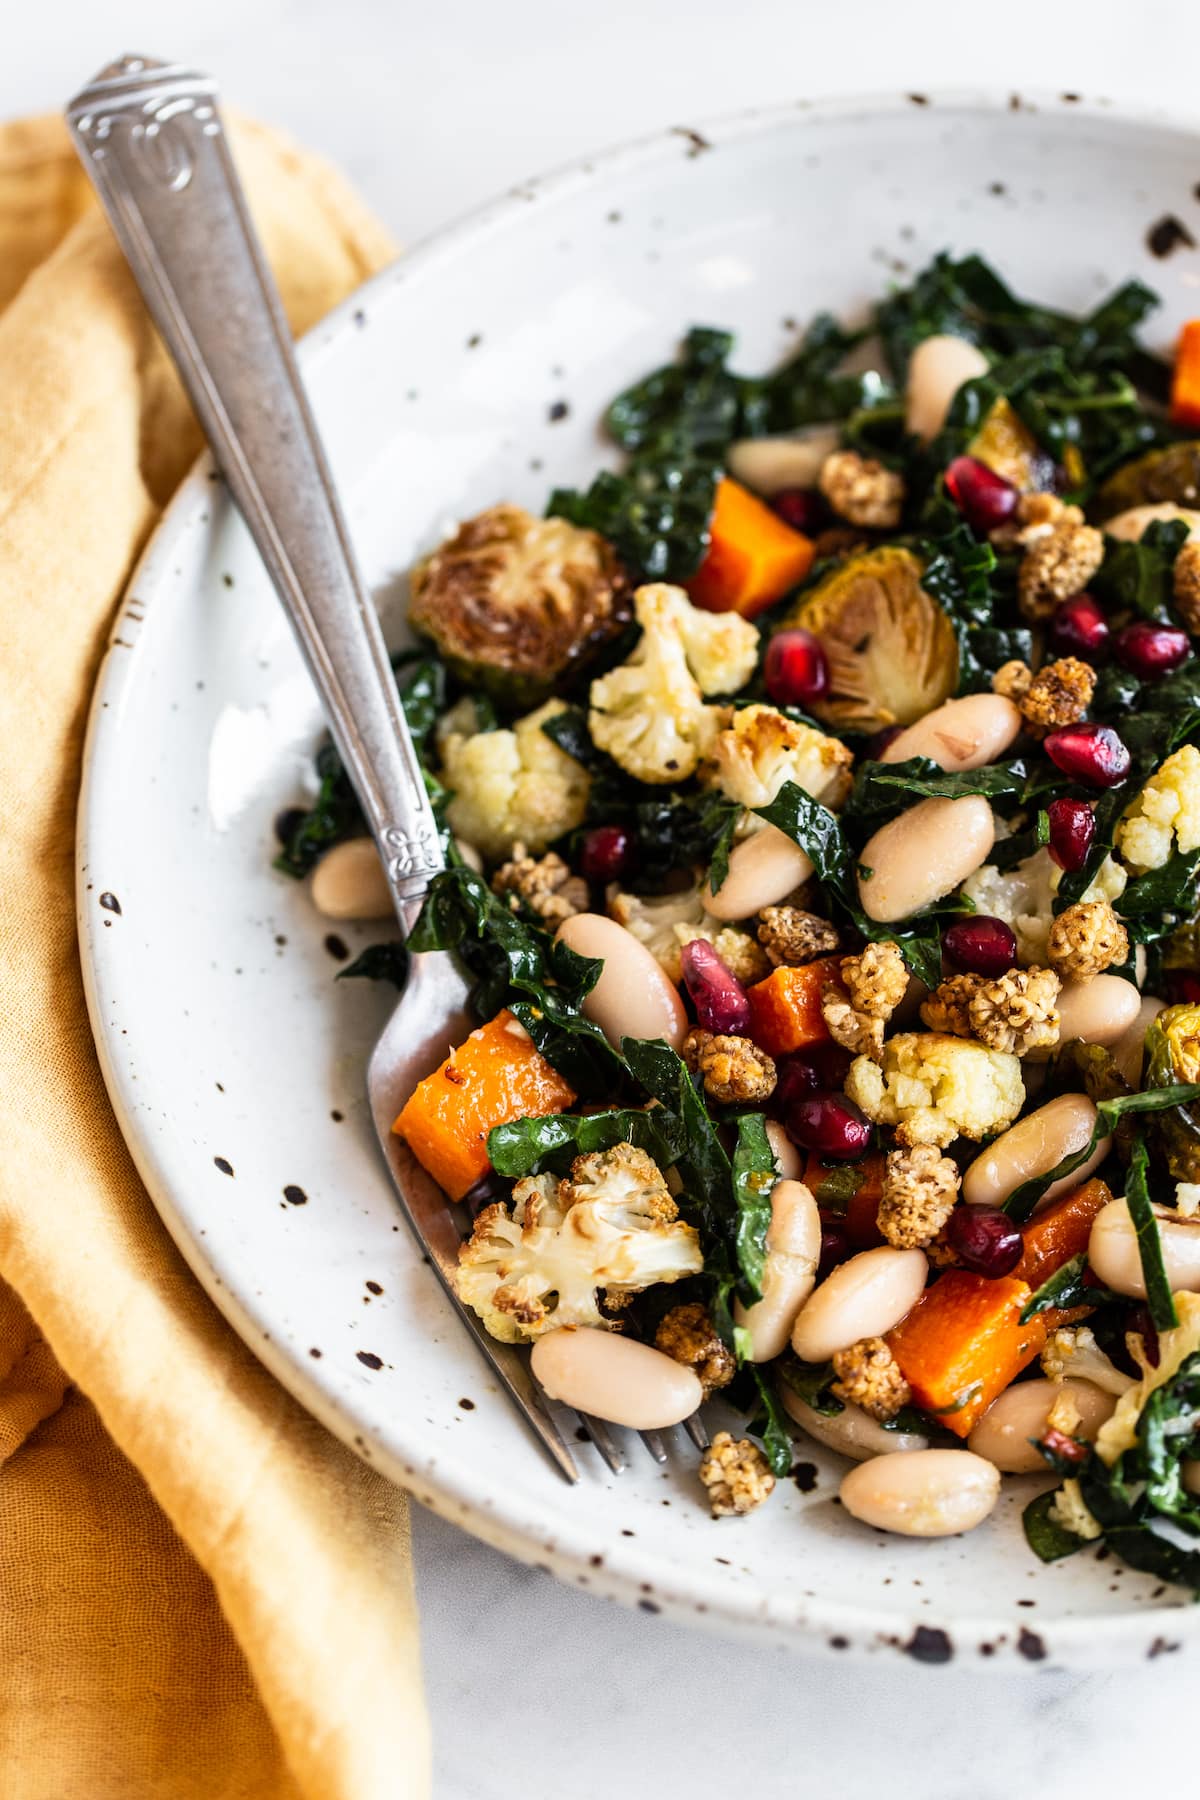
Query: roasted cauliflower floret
[
  {"x": 1165, "y": 817},
  {"x": 513, "y": 602},
  {"x": 1023, "y": 897},
  {"x": 513, "y": 786},
  {"x": 666, "y": 922},
  {"x": 1016, "y": 1012},
  {"x": 1072, "y": 1351},
  {"x": 791, "y": 936},
  {"x": 873, "y": 983},
  {"x": 688, "y": 1335},
  {"x": 920, "y": 1189},
  {"x": 1086, "y": 939},
  {"x": 868, "y": 1376},
  {"x": 736, "y": 1475},
  {"x": 934, "y": 1088},
  {"x": 1058, "y": 695},
  {"x": 1186, "y": 580},
  {"x": 734, "y": 1069},
  {"x": 1013, "y": 680},
  {"x": 759, "y": 749},
  {"x": 649, "y": 713},
  {"x": 544, "y": 884},
  {"x": 610, "y": 1225},
  {"x": 861, "y": 490}
]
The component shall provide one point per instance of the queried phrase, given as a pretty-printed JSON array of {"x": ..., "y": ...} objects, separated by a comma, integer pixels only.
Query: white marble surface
[{"x": 432, "y": 108}]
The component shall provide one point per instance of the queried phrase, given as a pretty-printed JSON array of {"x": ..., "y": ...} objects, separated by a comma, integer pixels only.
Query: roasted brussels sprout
[
  {"x": 1173, "y": 1054},
  {"x": 892, "y": 652},
  {"x": 1005, "y": 443},
  {"x": 1171, "y": 474},
  {"x": 515, "y": 603}
]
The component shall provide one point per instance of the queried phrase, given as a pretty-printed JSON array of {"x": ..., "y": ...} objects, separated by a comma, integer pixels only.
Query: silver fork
[{"x": 151, "y": 137}]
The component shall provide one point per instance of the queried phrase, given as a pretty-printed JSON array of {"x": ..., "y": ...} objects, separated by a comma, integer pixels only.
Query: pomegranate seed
[
  {"x": 835, "y": 1246},
  {"x": 985, "y": 1240},
  {"x": 1093, "y": 754},
  {"x": 1072, "y": 828},
  {"x": 984, "y": 498},
  {"x": 829, "y": 1124},
  {"x": 606, "y": 853},
  {"x": 1183, "y": 986},
  {"x": 1067, "y": 1449},
  {"x": 1151, "y": 651},
  {"x": 795, "y": 1076},
  {"x": 801, "y": 508},
  {"x": 718, "y": 997},
  {"x": 1079, "y": 628},
  {"x": 981, "y": 946},
  {"x": 795, "y": 671}
]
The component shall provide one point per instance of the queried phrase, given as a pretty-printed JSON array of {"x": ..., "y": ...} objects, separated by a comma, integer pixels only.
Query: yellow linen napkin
[{"x": 202, "y": 1593}]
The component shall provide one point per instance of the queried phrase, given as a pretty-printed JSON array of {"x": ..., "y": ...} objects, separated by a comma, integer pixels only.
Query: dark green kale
[
  {"x": 1137, "y": 576},
  {"x": 1109, "y": 1113},
  {"x": 754, "y": 1176},
  {"x": 529, "y": 1146},
  {"x": 379, "y": 962}
]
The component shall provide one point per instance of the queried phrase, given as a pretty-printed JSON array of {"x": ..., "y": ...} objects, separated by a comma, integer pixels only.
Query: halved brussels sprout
[
  {"x": 515, "y": 604},
  {"x": 1171, "y": 474},
  {"x": 892, "y": 652},
  {"x": 1173, "y": 1054}
]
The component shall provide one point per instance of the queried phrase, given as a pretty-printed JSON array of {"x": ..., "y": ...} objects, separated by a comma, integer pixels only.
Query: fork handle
[{"x": 152, "y": 140}]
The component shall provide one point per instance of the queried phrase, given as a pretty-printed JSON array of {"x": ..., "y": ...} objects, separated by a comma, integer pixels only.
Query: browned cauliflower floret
[
  {"x": 666, "y": 922},
  {"x": 1016, "y": 1012},
  {"x": 934, "y": 1087},
  {"x": 1086, "y": 939},
  {"x": 1187, "y": 585},
  {"x": 874, "y": 983},
  {"x": 790, "y": 935},
  {"x": 1013, "y": 680},
  {"x": 920, "y": 1187},
  {"x": 513, "y": 602},
  {"x": 688, "y": 1335},
  {"x": 734, "y": 1068},
  {"x": 736, "y": 1475},
  {"x": 1059, "y": 693},
  {"x": 544, "y": 884},
  {"x": 1061, "y": 556},
  {"x": 868, "y": 1376},
  {"x": 862, "y": 490}
]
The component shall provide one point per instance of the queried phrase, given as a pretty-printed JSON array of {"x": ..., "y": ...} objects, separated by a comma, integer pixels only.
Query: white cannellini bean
[
  {"x": 768, "y": 465},
  {"x": 927, "y": 1493},
  {"x": 616, "y": 1378},
  {"x": 851, "y": 1432},
  {"x": 1033, "y": 1146},
  {"x": 1099, "y": 1011},
  {"x": 863, "y": 1297},
  {"x": 1129, "y": 1051},
  {"x": 763, "y": 870},
  {"x": 961, "y": 734},
  {"x": 793, "y": 1252},
  {"x": 1132, "y": 522},
  {"x": 923, "y": 854},
  {"x": 469, "y": 854},
  {"x": 936, "y": 370},
  {"x": 788, "y": 1159},
  {"x": 1020, "y": 1413},
  {"x": 349, "y": 882},
  {"x": 633, "y": 997},
  {"x": 1113, "y": 1251}
]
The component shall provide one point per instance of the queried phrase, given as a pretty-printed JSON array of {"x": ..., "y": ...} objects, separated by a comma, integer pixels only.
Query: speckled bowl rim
[{"x": 459, "y": 1493}]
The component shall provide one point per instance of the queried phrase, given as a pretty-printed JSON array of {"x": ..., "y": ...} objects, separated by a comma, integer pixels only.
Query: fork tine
[
  {"x": 653, "y": 1441},
  {"x": 605, "y": 1443},
  {"x": 697, "y": 1431}
]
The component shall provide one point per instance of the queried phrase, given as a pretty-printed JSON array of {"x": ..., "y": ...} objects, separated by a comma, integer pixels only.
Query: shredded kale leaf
[
  {"x": 703, "y": 1164},
  {"x": 1067, "y": 1288},
  {"x": 754, "y": 1176},
  {"x": 770, "y": 1423},
  {"x": 1136, "y": 576},
  {"x": 1048, "y": 1540},
  {"x": 1159, "y": 1298},
  {"x": 379, "y": 962},
  {"x": 528, "y": 1146},
  {"x": 1023, "y": 1199}
]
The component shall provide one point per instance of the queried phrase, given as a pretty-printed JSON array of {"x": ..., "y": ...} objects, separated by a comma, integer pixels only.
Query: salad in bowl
[{"x": 821, "y": 799}]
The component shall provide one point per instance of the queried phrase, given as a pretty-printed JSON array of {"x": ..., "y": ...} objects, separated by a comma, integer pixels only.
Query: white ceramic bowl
[{"x": 477, "y": 370}]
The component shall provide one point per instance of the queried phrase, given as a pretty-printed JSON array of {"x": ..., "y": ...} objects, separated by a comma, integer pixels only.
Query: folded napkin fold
[{"x": 202, "y": 1593}]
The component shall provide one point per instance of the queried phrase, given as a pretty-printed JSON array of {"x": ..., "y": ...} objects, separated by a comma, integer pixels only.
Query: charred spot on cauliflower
[
  {"x": 736, "y": 1475},
  {"x": 687, "y": 1335},
  {"x": 649, "y": 713},
  {"x": 545, "y": 885},
  {"x": 759, "y": 749},
  {"x": 610, "y": 1226},
  {"x": 1016, "y": 1012},
  {"x": 920, "y": 1190},
  {"x": 791, "y": 936},
  {"x": 513, "y": 786},
  {"x": 861, "y": 490},
  {"x": 734, "y": 1070},
  {"x": 513, "y": 602},
  {"x": 1058, "y": 695},
  {"x": 666, "y": 922},
  {"x": 868, "y": 1376},
  {"x": 933, "y": 1088},
  {"x": 1086, "y": 939},
  {"x": 1165, "y": 817}
]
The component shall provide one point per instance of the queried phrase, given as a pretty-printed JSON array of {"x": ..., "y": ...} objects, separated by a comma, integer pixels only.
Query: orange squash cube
[
  {"x": 963, "y": 1343},
  {"x": 785, "y": 1009},
  {"x": 753, "y": 558}
]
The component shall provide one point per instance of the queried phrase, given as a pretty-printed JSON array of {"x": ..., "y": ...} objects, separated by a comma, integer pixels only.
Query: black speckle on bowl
[
  {"x": 110, "y": 903},
  {"x": 929, "y": 1644},
  {"x": 557, "y": 411},
  {"x": 1168, "y": 234},
  {"x": 1031, "y": 1646},
  {"x": 374, "y": 1287},
  {"x": 336, "y": 947},
  {"x": 225, "y": 1166},
  {"x": 295, "y": 1196},
  {"x": 369, "y": 1359},
  {"x": 696, "y": 141}
]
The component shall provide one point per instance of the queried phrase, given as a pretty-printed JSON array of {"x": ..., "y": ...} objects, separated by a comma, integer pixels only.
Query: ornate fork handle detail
[{"x": 152, "y": 140}]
